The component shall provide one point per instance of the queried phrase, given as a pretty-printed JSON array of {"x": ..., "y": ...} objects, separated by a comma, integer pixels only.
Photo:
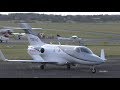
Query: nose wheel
[{"x": 93, "y": 70}]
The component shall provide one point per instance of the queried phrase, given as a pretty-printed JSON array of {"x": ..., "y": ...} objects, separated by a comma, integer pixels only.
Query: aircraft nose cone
[{"x": 99, "y": 59}]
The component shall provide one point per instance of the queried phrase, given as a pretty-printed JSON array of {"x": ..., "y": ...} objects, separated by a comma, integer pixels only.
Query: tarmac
[{"x": 110, "y": 69}]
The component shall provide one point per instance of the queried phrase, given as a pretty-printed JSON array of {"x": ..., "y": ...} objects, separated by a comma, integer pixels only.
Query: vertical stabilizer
[
  {"x": 2, "y": 57},
  {"x": 102, "y": 55},
  {"x": 32, "y": 37}
]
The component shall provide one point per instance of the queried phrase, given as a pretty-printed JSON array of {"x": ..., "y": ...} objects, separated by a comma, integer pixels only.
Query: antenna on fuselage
[{"x": 59, "y": 43}]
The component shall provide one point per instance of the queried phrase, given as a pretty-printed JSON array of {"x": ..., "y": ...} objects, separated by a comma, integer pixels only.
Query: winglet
[
  {"x": 2, "y": 57},
  {"x": 102, "y": 55}
]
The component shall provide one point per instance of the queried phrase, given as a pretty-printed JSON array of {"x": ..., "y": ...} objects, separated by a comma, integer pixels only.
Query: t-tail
[{"x": 32, "y": 37}]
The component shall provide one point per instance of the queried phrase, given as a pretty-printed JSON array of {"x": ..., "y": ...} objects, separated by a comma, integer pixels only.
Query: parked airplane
[
  {"x": 19, "y": 35},
  {"x": 58, "y": 54},
  {"x": 3, "y": 39},
  {"x": 5, "y": 33},
  {"x": 6, "y": 30},
  {"x": 73, "y": 38}
]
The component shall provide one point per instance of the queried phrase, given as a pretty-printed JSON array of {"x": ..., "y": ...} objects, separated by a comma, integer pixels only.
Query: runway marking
[
  {"x": 35, "y": 77},
  {"x": 103, "y": 71}
]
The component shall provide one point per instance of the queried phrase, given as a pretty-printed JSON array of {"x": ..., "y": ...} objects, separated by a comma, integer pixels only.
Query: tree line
[{"x": 59, "y": 18}]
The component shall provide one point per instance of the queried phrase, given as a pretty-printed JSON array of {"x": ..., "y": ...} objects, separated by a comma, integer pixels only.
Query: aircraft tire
[
  {"x": 1, "y": 41},
  {"x": 68, "y": 67},
  {"x": 93, "y": 70},
  {"x": 42, "y": 67}
]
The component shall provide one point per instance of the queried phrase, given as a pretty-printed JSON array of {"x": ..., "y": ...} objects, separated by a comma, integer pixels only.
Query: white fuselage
[{"x": 63, "y": 54}]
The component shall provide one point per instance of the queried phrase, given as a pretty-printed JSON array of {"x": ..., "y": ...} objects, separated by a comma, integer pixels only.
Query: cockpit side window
[
  {"x": 85, "y": 50},
  {"x": 77, "y": 50}
]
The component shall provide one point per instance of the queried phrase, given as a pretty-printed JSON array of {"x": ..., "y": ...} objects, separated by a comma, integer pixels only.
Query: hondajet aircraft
[{"x": 57, "y": 54}]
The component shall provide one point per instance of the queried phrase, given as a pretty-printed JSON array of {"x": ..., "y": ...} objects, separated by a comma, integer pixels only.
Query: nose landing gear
[{"x": 93, "y": 69}]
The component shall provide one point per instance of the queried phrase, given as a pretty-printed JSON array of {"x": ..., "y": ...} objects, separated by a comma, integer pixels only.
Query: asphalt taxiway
[{"x": 110, "y": 69}]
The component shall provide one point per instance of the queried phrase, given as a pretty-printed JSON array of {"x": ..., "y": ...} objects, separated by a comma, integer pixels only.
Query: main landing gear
[
  {"x": 68, "y": 66},
  {"x": 42, "y": 66},
  {"x": 93, "y": 69}
]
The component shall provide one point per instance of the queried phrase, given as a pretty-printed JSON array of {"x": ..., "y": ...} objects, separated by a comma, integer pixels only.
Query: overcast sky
[{"x": 69, "y": 13}]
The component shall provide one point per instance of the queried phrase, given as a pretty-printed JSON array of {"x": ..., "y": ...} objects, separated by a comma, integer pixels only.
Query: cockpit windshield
[
  {"x": 77, "y": 50},
  {"x": 83, "y": 49},
  {"x": 86, "y": 50}
]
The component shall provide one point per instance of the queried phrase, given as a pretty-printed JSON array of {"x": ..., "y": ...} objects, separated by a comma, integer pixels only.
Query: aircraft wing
[{"x": 31, "y": 61}]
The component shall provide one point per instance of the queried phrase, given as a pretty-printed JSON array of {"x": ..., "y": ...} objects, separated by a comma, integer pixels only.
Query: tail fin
[
  {"x": 2, "y": 57},
  {"x": 32, "y": 37},
  {"x": 102, "y": 55}
]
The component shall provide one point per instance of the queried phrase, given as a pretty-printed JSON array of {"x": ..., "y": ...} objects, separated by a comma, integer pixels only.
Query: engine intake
[{"x": 42, "y": 50}]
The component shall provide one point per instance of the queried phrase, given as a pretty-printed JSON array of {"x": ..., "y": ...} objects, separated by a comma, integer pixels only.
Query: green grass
[
  {"x": 69, "y": 29},
  {"x": 15, "y": 51},
  {"x": 16, "y": 54},
  {"x": 110, "y": 51},
  {"x": 82, "y": 28},
  {"x": 101, "y": 27}
]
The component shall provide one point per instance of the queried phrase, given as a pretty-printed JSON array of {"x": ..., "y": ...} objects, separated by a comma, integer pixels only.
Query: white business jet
[{"x": 57, "y": 54}]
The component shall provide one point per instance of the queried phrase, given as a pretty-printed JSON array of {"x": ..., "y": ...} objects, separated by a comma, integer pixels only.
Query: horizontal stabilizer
[{"x": 2, "y": 57}]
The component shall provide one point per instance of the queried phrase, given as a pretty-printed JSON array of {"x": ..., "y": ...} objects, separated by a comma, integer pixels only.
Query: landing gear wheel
[
  {"x": 1, "y": 41},
  {"x": 42, "y": 67},
  {"x": 93, "y": 70},
  {"x": 68, "y": 67}
]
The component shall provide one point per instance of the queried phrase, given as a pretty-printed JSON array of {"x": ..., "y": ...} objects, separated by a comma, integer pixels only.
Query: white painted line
[
  {"x": 103, "y": 71},
  {"x": 35, "y": 77}
]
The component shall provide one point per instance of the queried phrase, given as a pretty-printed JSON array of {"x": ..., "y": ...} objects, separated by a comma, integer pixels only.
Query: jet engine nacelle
[
  {"x": 35, "y": 50},
  {"x": 40, "y": 50}
]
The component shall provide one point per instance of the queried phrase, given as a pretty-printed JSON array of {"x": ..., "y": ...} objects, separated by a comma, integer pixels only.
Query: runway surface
[{"x": 110, "y": 69}]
